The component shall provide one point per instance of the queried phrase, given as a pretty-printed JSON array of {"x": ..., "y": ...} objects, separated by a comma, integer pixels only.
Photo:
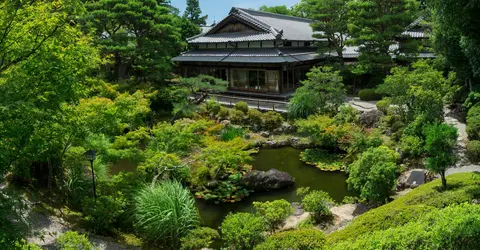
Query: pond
[{"x": 283, "y": 159}]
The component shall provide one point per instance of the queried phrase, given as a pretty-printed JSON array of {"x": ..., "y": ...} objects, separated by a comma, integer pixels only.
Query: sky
[{"x": 218, "y": 9}]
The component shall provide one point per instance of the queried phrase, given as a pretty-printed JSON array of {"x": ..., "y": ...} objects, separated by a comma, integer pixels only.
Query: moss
[{"x": 462, "y": 188}]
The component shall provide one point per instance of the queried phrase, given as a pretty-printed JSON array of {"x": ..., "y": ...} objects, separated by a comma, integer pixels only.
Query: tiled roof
[
  {"x": 233, "y": 37},
  {"x": 294, "y": 28},
  {"x": 415, "y": 34},
  {"x": 270, "y": 27},
  {"x": 265, "y": 55}
]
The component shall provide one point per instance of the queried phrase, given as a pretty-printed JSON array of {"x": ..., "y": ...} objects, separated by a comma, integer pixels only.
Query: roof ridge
[
  {"x": 275, "y": 14},
  {"x": 276, "y": 32}
]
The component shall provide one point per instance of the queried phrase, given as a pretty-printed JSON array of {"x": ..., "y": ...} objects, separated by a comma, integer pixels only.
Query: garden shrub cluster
[
  {"x": 369, "y": 95},
  {"x": 304, "y": 238},
  {"x": 383, "y": 105},
  {"x": 473, "y": 151},
  {"x": 473, "y": 123},
  {"x": 240, "y": 114},
  {"x": 73, "y": 241},
  {"x": 273, "y": 212}
]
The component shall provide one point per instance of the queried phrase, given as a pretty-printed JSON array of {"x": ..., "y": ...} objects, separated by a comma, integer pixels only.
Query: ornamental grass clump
[{"x": 165, "y": 213}]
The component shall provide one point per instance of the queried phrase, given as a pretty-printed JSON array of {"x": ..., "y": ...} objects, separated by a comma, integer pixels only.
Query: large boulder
[
  {"x": 370, "y": 119},
  {"x": 264, "y": 181},
  {"x": 411, "y": 179}
]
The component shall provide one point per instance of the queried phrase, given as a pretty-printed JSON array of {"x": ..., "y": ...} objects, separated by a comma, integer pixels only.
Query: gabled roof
[{"x": 266, "y": 26}]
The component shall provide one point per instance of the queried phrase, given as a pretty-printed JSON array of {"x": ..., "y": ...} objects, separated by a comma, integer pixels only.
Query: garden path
[{"x": 463, "y": 164}]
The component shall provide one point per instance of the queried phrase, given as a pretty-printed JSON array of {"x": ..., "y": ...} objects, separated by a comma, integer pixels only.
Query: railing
[{"x": 260, "y": 104}]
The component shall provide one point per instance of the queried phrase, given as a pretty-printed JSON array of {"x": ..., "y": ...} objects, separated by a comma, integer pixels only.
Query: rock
[
  {"x": 247, "y": 136},
  {"x": 270, "y": 144},
  {"x": 370, "y": 119},
  {"x": 265, "y": 134},
  {"x": 411, "y": 179},
  {"x": 264, "y": 181},
  {"x": 225, "y": 123},
  {"x": 212, "y": 184},
  {"x": 285, "y": 128}
]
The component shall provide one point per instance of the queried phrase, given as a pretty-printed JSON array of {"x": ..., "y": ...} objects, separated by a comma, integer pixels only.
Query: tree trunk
[
  {"x": 121, "y": 67},
  {"x": 444, "y": 181},
  {"x": 50, "y": 175}
]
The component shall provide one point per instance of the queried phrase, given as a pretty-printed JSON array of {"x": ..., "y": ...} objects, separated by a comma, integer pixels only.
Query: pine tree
[
  {"x": 193, "y": 13},
  {"x": 374, "y": 26}
]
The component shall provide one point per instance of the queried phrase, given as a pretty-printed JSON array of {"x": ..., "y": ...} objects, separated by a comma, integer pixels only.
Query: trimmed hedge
[
  {"x": 473, "y": 123},
  {"x": 473, "y": 151},
  {"x": 383, "y": 105},
  {"x": 369, "y": 95},
  {"x": 242, "y": 106}
]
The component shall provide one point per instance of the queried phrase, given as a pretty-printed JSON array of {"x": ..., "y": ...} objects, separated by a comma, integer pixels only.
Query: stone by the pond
[
  {"x": 370, "y": 119},
  {"x": 264, "y": 181},
  {"x": 265, "y": 134},
  {"x": 412, "y": 179}
]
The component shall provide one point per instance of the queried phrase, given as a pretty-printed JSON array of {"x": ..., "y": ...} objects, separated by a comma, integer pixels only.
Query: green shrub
[
  {"x": 236, "y": 116},
  {"x": 318, "y": 203},
  {"x": 369, "y": 95},
  {"x": 473, "y": 123},
  {"x": 76, "y": 185},
  {"x": 242, "y": 106},
  {"x": 397, "y": 126},
  {"x": 199, "y": 238},
  {"x": 473, "y": 151},
  {"x": 103, "y": 214},
  {"x": 230, "y": 133},
  {"x": 165, "y": 213},
  {"x": 73, "y": 241},
  {"x": 223, "y": 113},
  {"x": 346, "y": 114},
  {"x": 272, "y": 120},
  {"x": 254, "y": 117},
  {"x": 242, "y": 231},
  {"x": 412, "y": 146},
  {"x": 383, "y": 105},
  {"x": 374, "y": 174},
  {"x": 274, "y": 212},
  {"x": 213, "y": 107},
  {"x": 299, "y": 239}
]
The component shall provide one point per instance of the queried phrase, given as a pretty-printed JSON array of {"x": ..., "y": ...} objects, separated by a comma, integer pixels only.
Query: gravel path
[
  {"x": 463, "y": 164},
  {"x": 363, "y": 106}
]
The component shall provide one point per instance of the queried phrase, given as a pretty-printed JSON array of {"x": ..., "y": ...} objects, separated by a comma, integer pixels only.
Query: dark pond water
[{"x": 283, "y": 159}]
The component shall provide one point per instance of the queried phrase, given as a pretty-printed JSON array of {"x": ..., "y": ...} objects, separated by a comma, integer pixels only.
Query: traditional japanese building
[
  {"x": 263, "y": 54},
  {"x": 256, "y": 52}
]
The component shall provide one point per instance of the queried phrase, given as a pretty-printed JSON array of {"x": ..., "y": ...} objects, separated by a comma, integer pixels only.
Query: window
[
  {"x": 261, "y": 80},
  {"x": 253, "y": 79},
  {"x": 287, "y": 44},
  {"x": 307, "y": 44},
  {"x": 239, "y": 78},
  {"x": 272, "y": 81}
]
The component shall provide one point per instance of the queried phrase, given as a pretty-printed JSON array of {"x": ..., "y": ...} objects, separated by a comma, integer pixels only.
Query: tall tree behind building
[
  {"x": 193, "y": 13},
  {"x": 374, "y": 26},
  {"x": 330, "y": 22}
]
